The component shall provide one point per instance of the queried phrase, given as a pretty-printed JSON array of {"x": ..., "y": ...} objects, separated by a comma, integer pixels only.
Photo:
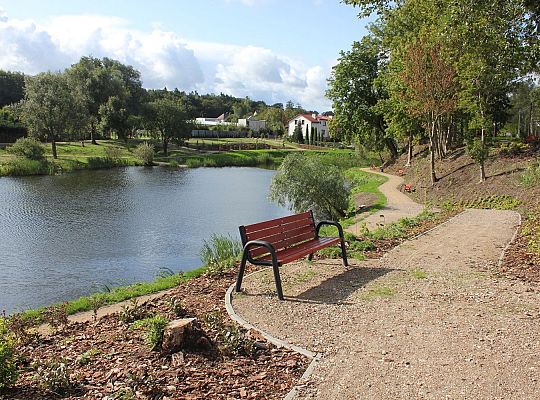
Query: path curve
[
  {"x": 431, "y": 320},
  {"x": 398, "y": 206}
]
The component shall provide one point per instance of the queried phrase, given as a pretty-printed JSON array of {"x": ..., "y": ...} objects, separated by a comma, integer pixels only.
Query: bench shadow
[{"x": 336, "y": 289}]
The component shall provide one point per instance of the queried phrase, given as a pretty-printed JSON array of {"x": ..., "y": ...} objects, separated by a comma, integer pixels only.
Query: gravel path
[
  {"x": 399, "y": 205},
  {"x": 428, "y": 321}
]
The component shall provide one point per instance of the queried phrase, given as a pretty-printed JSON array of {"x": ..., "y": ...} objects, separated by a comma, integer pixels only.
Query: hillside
[{"x": 504, "y": 188}]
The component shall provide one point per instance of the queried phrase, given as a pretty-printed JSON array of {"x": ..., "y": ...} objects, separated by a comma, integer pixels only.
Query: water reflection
[{"x": 64, "y": 236}]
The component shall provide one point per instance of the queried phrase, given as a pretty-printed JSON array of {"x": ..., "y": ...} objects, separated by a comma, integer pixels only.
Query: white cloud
[{"x": 164, "y": 58}]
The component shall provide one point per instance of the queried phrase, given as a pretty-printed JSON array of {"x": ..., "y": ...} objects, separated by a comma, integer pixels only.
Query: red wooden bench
[
  {"x": 407, "y": 187},
  {"x": 280, "y": 241}
]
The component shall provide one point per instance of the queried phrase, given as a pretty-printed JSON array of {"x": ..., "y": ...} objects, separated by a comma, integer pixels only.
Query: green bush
[
  {"x": 531, "y": 176},
  {"x": 55, "y": 375},
  {"x": 25, "y": 166},
  {"x": 8, "y": 364},
  {"x": 154, "y": 328},
  {"x": 28, "y": 148},
  {"x": 304, "y": 182},
  {"x": 145, "y": 153},
  {"x": 478, "y": 152},
  {"x": 220, "y": 253},
  {"x": 113, "y": 153}
]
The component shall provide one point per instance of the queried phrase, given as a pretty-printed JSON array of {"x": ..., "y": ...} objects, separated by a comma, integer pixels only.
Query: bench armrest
[
  {"x": 333, "y": 223},
  {"x": 262, "y": 243}
]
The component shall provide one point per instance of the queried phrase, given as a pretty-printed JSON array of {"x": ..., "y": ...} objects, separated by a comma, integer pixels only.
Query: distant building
[
  {"x": 252, "y": 123},
  {"x": 318, "y": 122},
  {"x": 212, "y": 121}
]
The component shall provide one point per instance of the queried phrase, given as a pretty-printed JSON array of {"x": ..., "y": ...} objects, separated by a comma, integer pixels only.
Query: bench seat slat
[
  {"x": 266, "y": 234},
  {"x": 284, "y": 240},
  {"x": 276, "y": 222},
  {"x": 294, "y": 253}
]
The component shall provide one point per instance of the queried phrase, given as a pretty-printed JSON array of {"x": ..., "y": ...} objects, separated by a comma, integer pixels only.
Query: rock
[{"x": 174, "y": 334}]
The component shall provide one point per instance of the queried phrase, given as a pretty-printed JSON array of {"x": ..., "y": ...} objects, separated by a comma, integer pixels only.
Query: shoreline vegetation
[{"x": 73, "y": 156}]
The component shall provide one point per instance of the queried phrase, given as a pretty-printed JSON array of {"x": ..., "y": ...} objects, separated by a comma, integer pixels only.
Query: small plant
[
  {"x": 154, "y": 327},
  {"x": 87, "y": 356},
  {"x": 55, "y": 376},
  {"x": 419, "y": 274},
  {"x": 232, "y": 339},
  {"x": 132, "y": 312},
  {"x": 8, "y": 365},
  {"x": 96, "y": 302},
  {"x": 531, "y": 176},
  {"x": 56, "y": 316},
  {"x": 28, "y": 148},
  {"x": 145, "y": 153},
  {"x": 220, "y": 253},
  {"x": 113, "y": 153},
  {"x": 176, "y": 307}
]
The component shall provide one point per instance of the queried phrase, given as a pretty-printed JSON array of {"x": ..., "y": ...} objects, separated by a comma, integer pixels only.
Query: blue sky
[{"x": 274, "y": 50}]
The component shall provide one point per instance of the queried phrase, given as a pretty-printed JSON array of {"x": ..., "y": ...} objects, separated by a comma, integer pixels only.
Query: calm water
[{"x": 66, "y": 236}]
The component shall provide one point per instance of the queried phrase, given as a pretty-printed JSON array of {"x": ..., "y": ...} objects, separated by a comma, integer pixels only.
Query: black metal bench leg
[
  {"x": 344, "y": 253},
  {"x": 310, "y": 257},
  {"x": 241, "y": 272},
  {"x": 277, "y": 278}
]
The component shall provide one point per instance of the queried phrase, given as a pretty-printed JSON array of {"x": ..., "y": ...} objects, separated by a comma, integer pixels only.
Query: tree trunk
[
  {"x": 432, "y": 152},
  {"x": 482, "y": 167},
  {"x": 410, "y": 150},
  {"x": 93, "y": 133},
  {"x": 53, "y": 145},
  {"x": 391, "y": 147},
  {"x": 165, "y": 143}
]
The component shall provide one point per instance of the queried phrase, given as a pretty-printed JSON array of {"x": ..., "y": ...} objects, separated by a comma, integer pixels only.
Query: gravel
[{"x": 430, "y": 320}]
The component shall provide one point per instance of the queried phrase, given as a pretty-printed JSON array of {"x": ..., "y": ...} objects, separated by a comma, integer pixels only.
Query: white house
[
  {"x": 252, "y": 123},
  {"x": 211, "y": 121},
  {"x": 308, "y": 121}
]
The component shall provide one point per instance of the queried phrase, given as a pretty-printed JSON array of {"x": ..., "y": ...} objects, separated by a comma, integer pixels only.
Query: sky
[{"x": 271, "y": 50}]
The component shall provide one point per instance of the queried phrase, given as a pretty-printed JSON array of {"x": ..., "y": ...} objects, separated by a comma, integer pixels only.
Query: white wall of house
[
  {"x": 252, "y": 123},
  {"x": 319, "y": 125}
]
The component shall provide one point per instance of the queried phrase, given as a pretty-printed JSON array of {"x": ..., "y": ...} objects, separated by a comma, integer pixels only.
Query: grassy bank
[{"x": 115, "y": 295}]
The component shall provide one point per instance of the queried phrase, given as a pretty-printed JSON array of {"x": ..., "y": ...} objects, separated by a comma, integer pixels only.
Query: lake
[{"x": 65, "y": 236}]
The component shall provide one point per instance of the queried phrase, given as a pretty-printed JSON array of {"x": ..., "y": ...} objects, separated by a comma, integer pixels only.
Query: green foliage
[
  {"x": 145, "y": 153},
  {"x": 298, "y": 135},
  {"x": 11, "y": 87},
  {"x": 154, "y": 328},
  {"x": 531, "y": 231},
  {"x": 113, "y": 153},
  {"x": 247, "y": 158},
  {"x": 233, "y": 340},
  {"x": 55, "y": 375},
  {"x": 478, "y": 151},
  {"x": 28, "y": 148},
  {"x": 8, "y": 360},
  {"x": 497, "y": 202},
  {"x": 531, "y": 176},
  {"x": 25, "y": 166},
  {"x": 305, "y": 183},
  {"x": 132, "y": 312},
  {"x": 220, "y": 253}
]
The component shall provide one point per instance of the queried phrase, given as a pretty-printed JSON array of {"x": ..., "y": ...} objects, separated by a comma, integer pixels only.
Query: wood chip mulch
[
  {"x": 520, "y": 262},
  {"x": 110, "y": 360}
]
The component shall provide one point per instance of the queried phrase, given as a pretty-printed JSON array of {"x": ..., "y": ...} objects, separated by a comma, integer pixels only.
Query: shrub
[
  {"x": 304, "y": 183},
  {"x": 8, "y": 365},
  {"x": 154, "y": 328},
  {"x": 531, "y": 176},
  {"x": 232, "y": 339},
  {"x": 220, "y": 253},
  {"x": 27, "y": 148},
  {"x": 25, "y": 166},
  {"x": 145, "y": 153},
  {"x": 55, "y": 376},
  {"x": 113, "y": 153},
  {"x": 478, "y": 152}
]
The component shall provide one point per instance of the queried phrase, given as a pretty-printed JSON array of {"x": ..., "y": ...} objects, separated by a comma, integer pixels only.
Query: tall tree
[
  {"x": 11, "y": 87},
  {"x": 355, "y": 96},
  {"x": 50, "y": 108},
  {"x": 167, "y": 118}
]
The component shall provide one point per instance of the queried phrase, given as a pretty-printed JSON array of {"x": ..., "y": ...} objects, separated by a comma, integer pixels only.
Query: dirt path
[
  {"x": 428, "y": 321},
  {"x": 399, "y": 205}
]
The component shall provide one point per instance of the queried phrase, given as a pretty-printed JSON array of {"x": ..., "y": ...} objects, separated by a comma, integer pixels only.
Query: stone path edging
[
  {"x": 315, "y": 357},
  {"x": 501, "y": 257}
]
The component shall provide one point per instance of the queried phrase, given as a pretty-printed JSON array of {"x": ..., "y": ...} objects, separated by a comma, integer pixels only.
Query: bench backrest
[{"x": 282, "y": 233}]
